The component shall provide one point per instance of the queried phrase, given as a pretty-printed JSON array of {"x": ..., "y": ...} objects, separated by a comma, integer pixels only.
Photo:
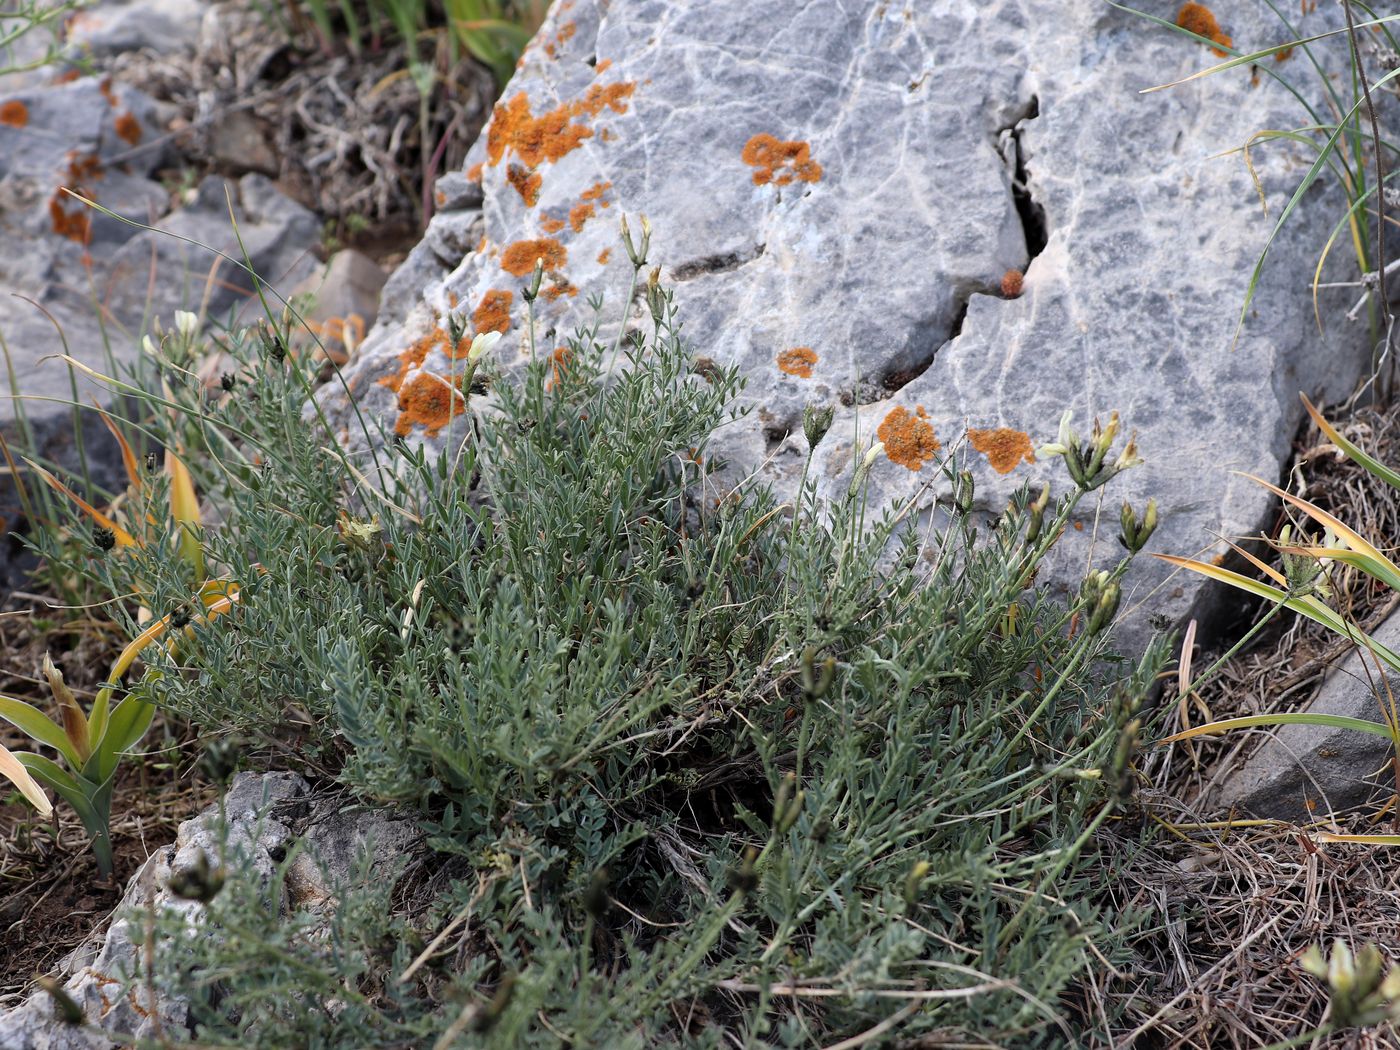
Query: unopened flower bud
[
  {"x": 816, "y": 422},
  {"x": 964, "y": 491},
  {"x": 1134, "y": 532},
  {"x": 1037, "y": 514},
  {"x": 914, "y": 880},
  {"x": 863, "y": 468}
]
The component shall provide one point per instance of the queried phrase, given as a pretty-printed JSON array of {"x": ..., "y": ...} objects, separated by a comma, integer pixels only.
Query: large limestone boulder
[{"x": 838, "y": 192}]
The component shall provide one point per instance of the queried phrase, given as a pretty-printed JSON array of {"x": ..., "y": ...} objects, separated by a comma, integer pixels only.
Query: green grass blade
[
  {"x": 29, "y": 720},
  {"x": 1353, "y": 451}
]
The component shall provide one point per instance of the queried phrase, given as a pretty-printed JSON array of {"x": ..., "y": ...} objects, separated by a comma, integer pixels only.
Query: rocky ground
[
  {"x": 175, "y": 115},
  {"x": 1028, "y": 243},
  {"x": 184, "y": 116}
]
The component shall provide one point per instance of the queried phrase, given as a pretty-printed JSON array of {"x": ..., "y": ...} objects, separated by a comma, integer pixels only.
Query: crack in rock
[
  {"x": 1031, "y": 214},
  {"x": 725, "y": 262},
  {"x": 1028, "y": 209}
]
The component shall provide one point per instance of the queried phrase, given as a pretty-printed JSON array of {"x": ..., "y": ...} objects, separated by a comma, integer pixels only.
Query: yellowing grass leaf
[
  {"x": 124, "y": 538},
  {"x": 1364, "y": 840},
  {"x": 133, "y": 472},
  {"x": 1303, "y": 718},
  {"x": 1266, "y": 569},
  {"x": 13, "y": 771},
  {"x": 1352, "y": 451},
  {"x": 218, "y": 593},
  {"x": 75, "y": 725},
  {"x": 217, "y": 596},
  {"x": 1303, "y": 605},
  {"x": 184, "y": 508},
  {"x": 1348, "y": 535}
]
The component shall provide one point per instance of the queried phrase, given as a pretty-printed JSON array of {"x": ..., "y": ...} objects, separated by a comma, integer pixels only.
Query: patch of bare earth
[{"x": 51, "y": 896}]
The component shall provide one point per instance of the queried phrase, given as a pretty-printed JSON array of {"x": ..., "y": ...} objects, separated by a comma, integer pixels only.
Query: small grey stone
[
  {"x": 454, "y": 234},
  {"x": 344, "y": 297},
  {"x": 69, "y": 134},
  {"x": 1334, "y": 769},
  {"x": 278, "y": 235},
  {"x": 453, "y": 191},
  {"x": 238, "y": 140},
  {"x": 113, "y": 27},
  {"x": 333, "y": 846}
]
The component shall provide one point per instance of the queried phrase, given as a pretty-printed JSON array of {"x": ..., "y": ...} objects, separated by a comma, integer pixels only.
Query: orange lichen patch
[
  {"x": 1199, "y": 19},
  {"x": 1012, "y": 281},
  {"x": 14, "y": 114},
  {"x": 526, "y": 183},
  {"x": 580, "y": 214},
  {"x": 105, "y": 86},
  {"x": 72, "y": 220},
  {"x": 559, "y": 364},
  {"x": 565, "y": 34},
  {"x": 780, "y": 162},
  {"x": 519, "y": 258},
  {"x": 415, "y": 355},
  {"x": 67, "y": 76},
  {"x": 429, "y": 401},
  {"x": 76, "y": 225},
  {"x": 552, "y": 225},
  {"x": 599, "y": 97},
  {"x": 798, "y": 361},
  {"x": 474, "y": 172},
  {"x": 602, "y": 67},
  {"x": 535, "y": 139},
  {"x": 83, "y": 167},
  {"x": 908, "y": 437},
  {"x": 607, "y": 135},
  {"x": 604, "y": 256},
  {"x": 554, "y": 134},
  {"x": 595, "y": 191},
  {"x": 1004, "y": 448},
  {"x": 559, "y": 288},
  {"x": 338, "y": 336},
  {"x": 492, "y": 314},
  {"x": 129, "y": 129},
  {"x": 1287, "y": 53}
]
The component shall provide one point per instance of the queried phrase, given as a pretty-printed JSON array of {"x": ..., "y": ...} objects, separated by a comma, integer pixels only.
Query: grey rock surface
[
  {"x": 115, "y": 26},
  {"x": 198, "y": 266},
  {"x": 265, "y": 814},
  {"x": 1304, "y": 772},
  {"x": 344, "y": 296},
  {"x": 837, "y": 192}
]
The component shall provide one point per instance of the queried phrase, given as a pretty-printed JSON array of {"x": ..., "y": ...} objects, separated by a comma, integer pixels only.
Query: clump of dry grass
[{"x": 1232, "y": 906}]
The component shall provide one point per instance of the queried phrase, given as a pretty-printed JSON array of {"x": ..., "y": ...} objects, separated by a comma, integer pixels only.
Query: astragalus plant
[{"x": 692, "y": 767}]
